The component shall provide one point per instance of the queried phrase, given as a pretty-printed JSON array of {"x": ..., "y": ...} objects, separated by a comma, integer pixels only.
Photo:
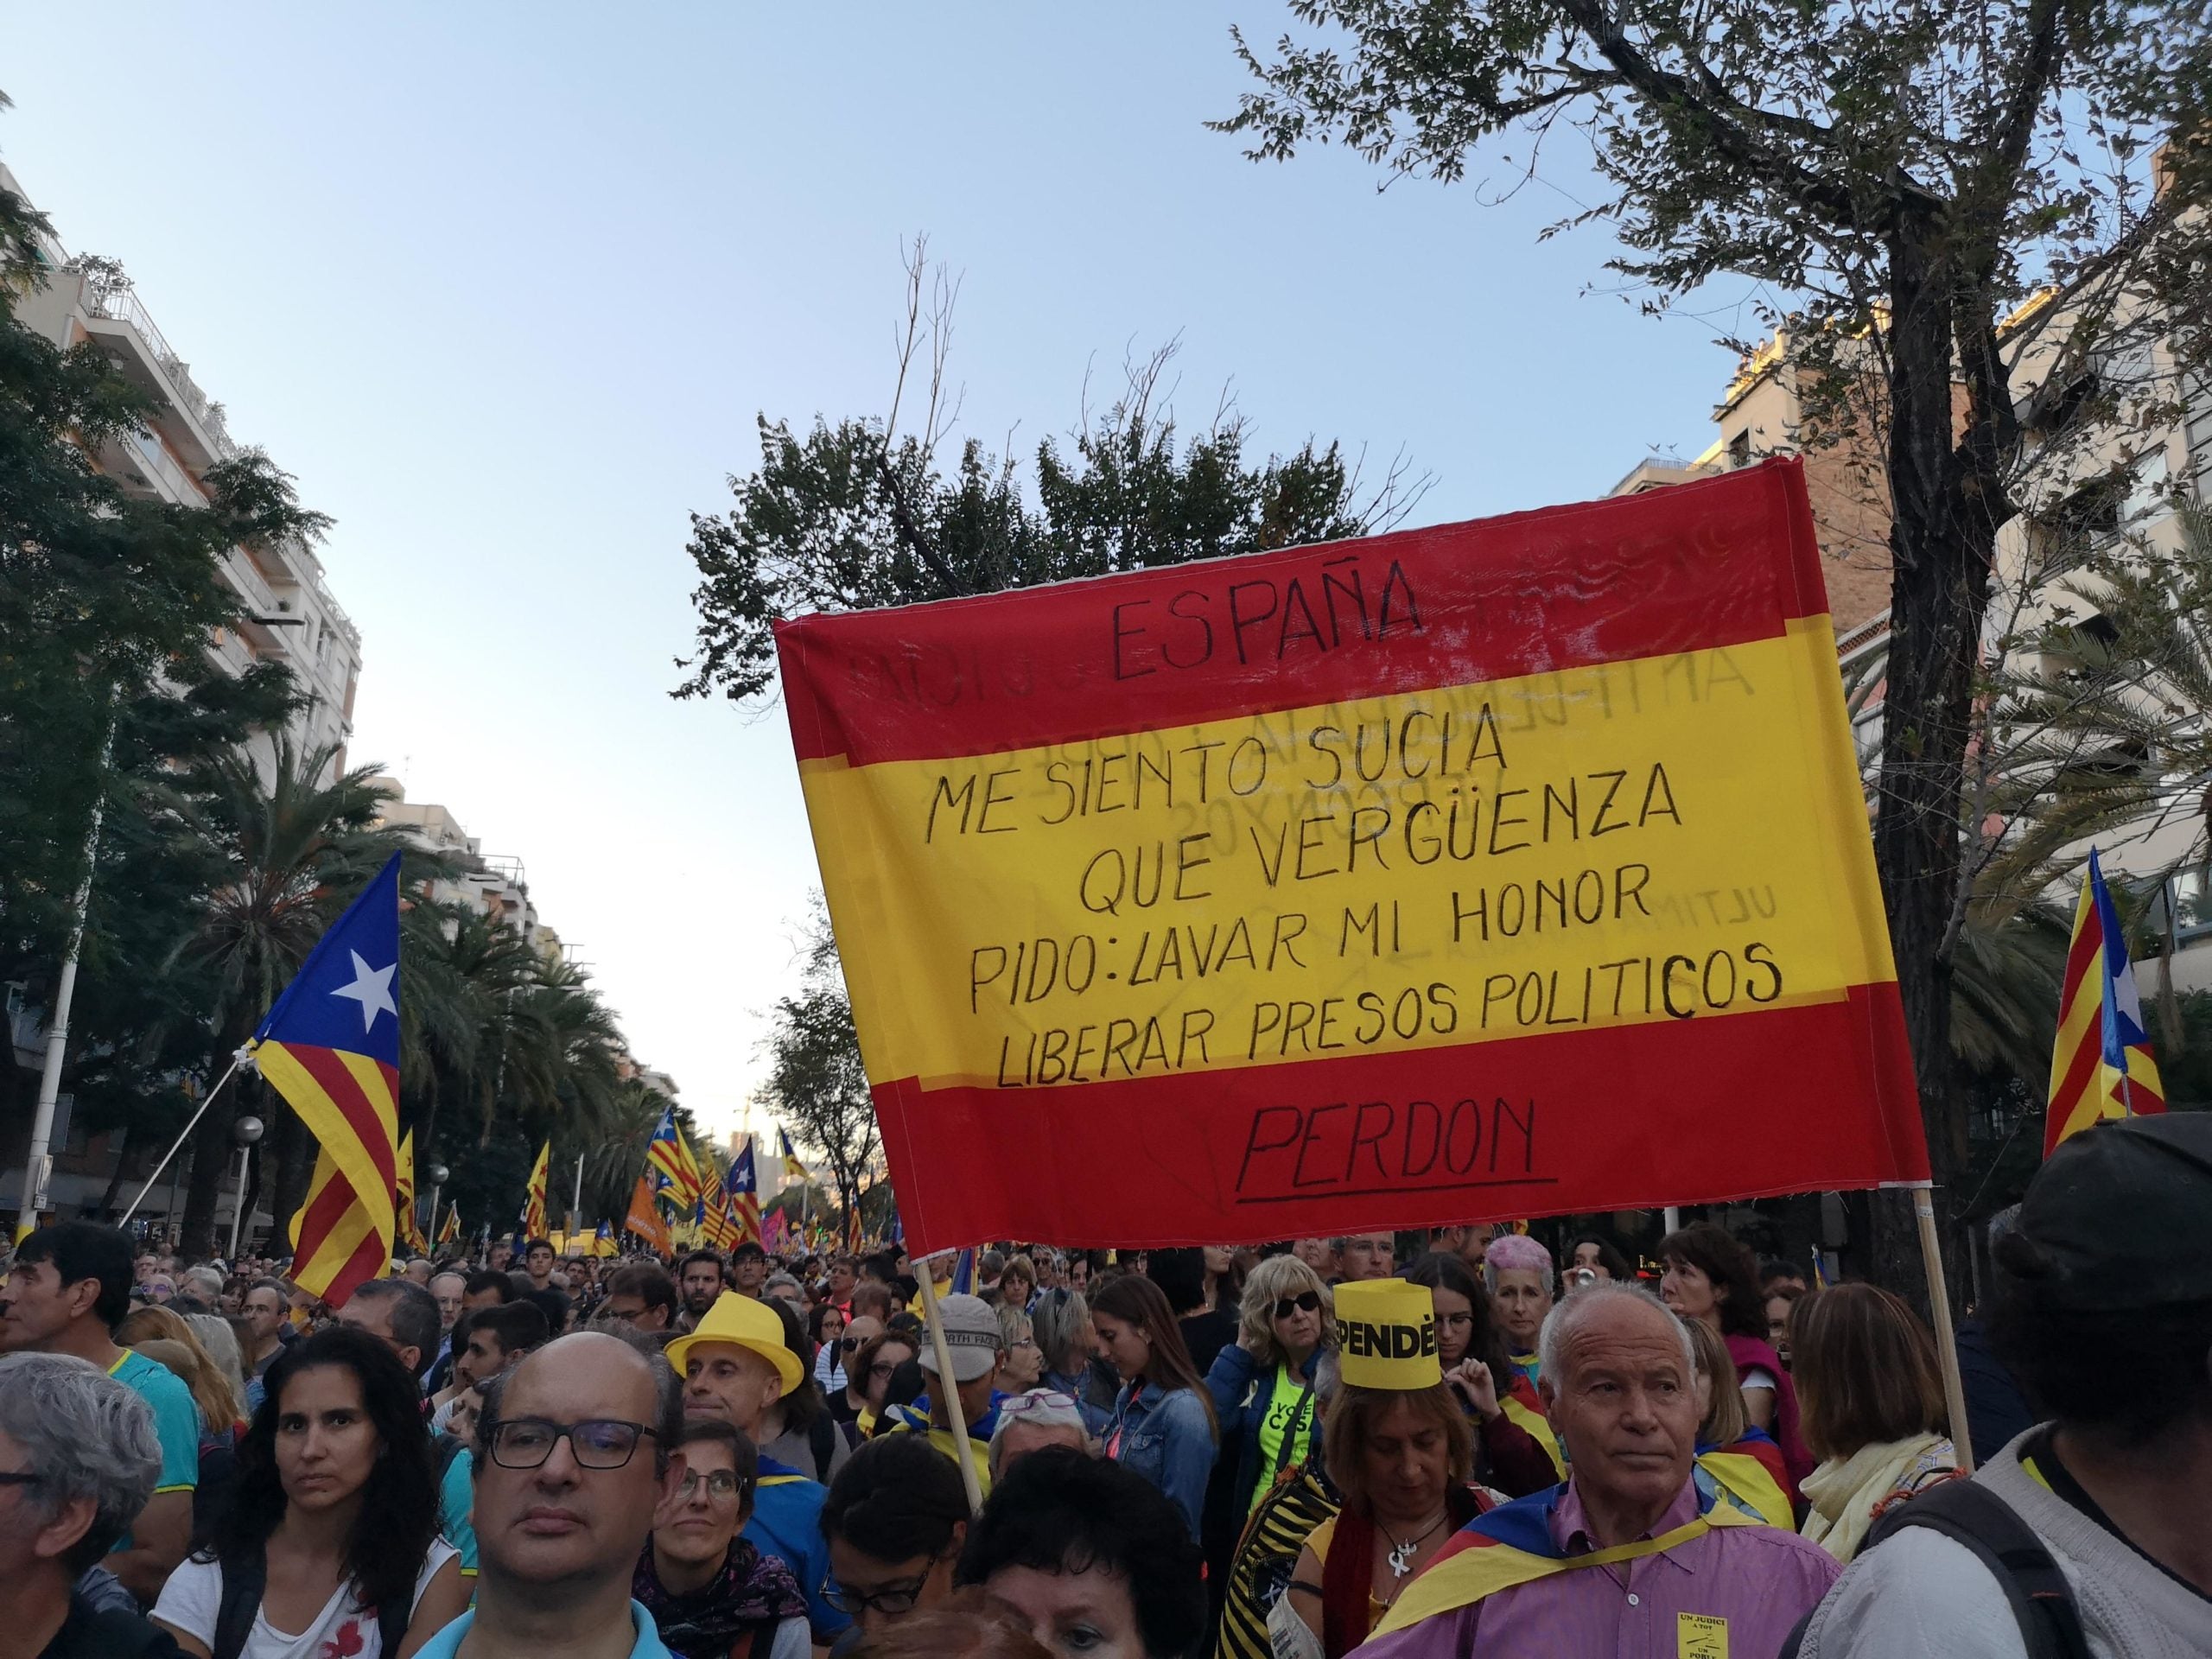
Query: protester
[
  {"x": 877, "y": 1361},
  {"x": 403, "y": 1316},
  {"x": 1709, "y": 1278},
  {"x": 262, "y": 1309},
  {"x": 1031, "y": 1422},
  {"x": 701, "y": 1279},
  {"x": 1470, "y": 1243},
  {"x": 1872, "y": 1410},
  {"x": 1162, "y": 1426},
  {"x": 1021, "y": 1361},
  {"x": 1181, "y": 1276},
  {"x": 329, "y": 1543},
  {"x": 711, "y": 1592},
  {"x": 748, "y": 1269},
  {"x": 2102, "y": 1307},
  {"x": 1265, "y": 1386},
  {"x": 497, "y": 1339},
  {"x": 576, "y": 1449},
  {"x": 640, "y": 1297},
  {"x": 78, "y": 1458},
  {"x": 796, "y": 1430},
  {"x": 1318, "y": 1254},
  {"x": 826, "y": 1326},
  {"x": 1090, "y": 1555},
  {"x": 1060, "y": 1320},
  {"x": 735, "y": 1366},
  {"x": 1515, "y": 1452},
  {"x": 1518, "y": 1272},
  {"x": 1736, "y": 1462},
  {"x": 221, "y": 1404},
  {"x": 1785, "y": 1278},
  {"x": 448, "y": 1287},
  {"x": 1618, "y": 1386},
  {"x": 1017, "y": 1286},
  {"x": 488, "y": 1288},
  {"x": 1779, "y": 1301},
  {"x": 895, "y": 1518},
  {"x": 1366, "y": 1256},
  {"x": 972, "y": 1338},
  {"x": 839, "y": 1284},
  {"x": 1598, "y": 1257},
  {"x": 68, "y": 1289}
]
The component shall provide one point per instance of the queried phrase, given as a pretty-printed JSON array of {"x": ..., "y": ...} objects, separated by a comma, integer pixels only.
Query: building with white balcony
[{"x": 289, "y": 616}]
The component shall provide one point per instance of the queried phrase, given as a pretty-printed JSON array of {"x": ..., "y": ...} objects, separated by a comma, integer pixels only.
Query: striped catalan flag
[
  {"x": 1470, "y": 872},
  {"x": 449, "y": 1229},
  {"x": 669, "y": 1156},
  {"x": 534, "y": 1218},
  {"x": 743, "y": 1185},
  {"x": 2100, "y": 1066},
  {"x": 408, "y": 1225},
  {"x": 330, "y": 1046}
]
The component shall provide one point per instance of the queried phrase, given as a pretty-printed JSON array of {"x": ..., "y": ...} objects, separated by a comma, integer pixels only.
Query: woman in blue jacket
[
  {"x": 1163, "y": 1426},
  {"x": 1286, "y": 1329}
]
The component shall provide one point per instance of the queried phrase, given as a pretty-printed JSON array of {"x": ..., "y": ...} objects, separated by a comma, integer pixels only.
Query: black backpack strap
[
  {"x": 391, "y": 1627},
  {"x": 1968, "y": 1512},
  {"x": 821, "y": 1437},
  {"x": 244, "y": 1579},
  {"x": 1290, "y": 1449}
]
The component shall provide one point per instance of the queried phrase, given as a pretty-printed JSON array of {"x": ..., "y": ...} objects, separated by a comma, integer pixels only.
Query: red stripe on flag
[
  {"x": 2088, "y": 940},
  {"x": 346, "y": 1096},
  {"x": 1674, "y": 570},
  {"x": 1705, "y": 1110},
  {"x": 2074, "y": 1087}
]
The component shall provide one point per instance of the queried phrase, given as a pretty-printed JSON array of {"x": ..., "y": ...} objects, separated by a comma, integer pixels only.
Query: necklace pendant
[{"x": 1401, "y": 1559}]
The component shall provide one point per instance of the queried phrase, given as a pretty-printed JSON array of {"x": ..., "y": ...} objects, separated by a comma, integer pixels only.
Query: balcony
[
  {"x": 189, "y": 419},
  {"x": 142, "y": 463}
]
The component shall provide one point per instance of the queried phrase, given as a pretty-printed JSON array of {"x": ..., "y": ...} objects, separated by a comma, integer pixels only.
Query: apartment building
[
  {"x": 491, "y": 883},
  {"x": 290, "y": 614}
]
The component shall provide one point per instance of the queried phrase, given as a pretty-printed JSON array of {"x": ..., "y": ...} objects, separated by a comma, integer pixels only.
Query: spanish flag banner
[
  {"x": 1495, "y": 869},
  {"x": 330, "y": 1046}
]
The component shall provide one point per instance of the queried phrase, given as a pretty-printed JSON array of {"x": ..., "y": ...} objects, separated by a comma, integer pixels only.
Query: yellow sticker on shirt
[{"x": 1701, "y": 1636}]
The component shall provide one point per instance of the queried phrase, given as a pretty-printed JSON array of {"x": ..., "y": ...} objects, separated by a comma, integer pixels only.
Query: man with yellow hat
[{"x": 736, "y": 1365}]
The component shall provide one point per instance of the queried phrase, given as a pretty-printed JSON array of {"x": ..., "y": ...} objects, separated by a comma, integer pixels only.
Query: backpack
[
  {"x": 1298, "y": 1500},
  {"x": 244, "y": 1580},
  {"x": 2041, "y": 1602}
]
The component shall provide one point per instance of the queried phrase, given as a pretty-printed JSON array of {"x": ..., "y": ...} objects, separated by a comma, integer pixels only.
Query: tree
[
  {"x": 817, "y": 1088},
  {"x": 857, "y": 514},
  {"x": 1909, "y": 176}
]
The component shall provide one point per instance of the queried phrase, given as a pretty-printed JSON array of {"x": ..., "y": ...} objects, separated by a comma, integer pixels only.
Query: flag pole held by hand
[{"x": 963, "y": 1451}]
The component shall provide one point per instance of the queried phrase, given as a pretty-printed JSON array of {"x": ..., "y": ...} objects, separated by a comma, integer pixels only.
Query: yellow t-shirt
[
  {"x": 1283, "y": 1409},
  {"x": 1318, "y": 1542}
]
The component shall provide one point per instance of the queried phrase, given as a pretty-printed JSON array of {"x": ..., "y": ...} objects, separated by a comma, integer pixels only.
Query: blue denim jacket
[
  {"x": 1242, "y": 1392},
  {"x": 1163, "y": 1435}
]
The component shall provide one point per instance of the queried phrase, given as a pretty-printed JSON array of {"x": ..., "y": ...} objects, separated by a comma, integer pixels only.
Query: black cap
[{"x": 2119, "y": 1217}]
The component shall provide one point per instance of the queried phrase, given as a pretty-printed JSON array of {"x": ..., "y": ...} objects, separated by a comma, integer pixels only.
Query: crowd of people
[{"x": 1296, "y": 1452}]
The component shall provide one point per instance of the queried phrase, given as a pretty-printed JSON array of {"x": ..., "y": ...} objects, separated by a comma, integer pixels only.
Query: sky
[{"x": 506, "y": 288}]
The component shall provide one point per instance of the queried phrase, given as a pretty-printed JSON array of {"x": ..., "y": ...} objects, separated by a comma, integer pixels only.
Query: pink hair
[{"x": 1516, "y": 1252}]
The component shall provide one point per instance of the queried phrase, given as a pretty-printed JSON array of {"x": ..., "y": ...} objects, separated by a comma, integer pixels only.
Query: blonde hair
[
  {"x": 1276, "y": 1278},
  {"x": 180, "y": 1351},
  {"x": 1725, "y": 1420}
]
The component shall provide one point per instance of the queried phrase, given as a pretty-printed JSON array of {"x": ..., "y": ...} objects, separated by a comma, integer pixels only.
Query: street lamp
[
  {"x": 245, "y": 1132},
  {"x": 439, "y": 1175}
]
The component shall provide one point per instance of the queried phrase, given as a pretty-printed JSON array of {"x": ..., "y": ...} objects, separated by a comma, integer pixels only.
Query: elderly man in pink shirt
[{"x": 1628, "y": 1560}]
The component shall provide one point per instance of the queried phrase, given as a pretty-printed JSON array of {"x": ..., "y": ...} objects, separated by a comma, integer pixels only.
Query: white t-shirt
[{"x": 343, "y": 1629}]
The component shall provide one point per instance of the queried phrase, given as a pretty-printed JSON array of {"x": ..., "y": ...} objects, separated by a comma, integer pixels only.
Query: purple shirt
[{"x": 1761, "y": 1579}]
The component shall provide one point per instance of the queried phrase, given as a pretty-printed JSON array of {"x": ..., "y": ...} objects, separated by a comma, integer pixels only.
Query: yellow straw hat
[
  {"x": 744, "y": 1322},
  {"x": 1386, "y": 1333}
]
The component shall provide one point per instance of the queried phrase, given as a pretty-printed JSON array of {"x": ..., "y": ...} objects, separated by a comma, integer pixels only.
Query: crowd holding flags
[
  {"x": 2101, "y": 1065},
  {"x": 450, "y": 1231},
  {"x": 330, "y": 1046},
  {"x": 743, "y": 1187}
]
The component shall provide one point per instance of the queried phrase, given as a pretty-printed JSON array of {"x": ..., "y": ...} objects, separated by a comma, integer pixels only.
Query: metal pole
[
  {"x": 177, "y": 1146},
  {"x": 1672, "y": 1217},
  {"x": 1939, "y": 1306},
  {"x": 576, "y": 1200},
  {"x": 435, "y": 1188},
  {"x": 38, "y": 1161},
  {"x": 964, "y": 1451},
  {"x": 237, "y": 1210}
]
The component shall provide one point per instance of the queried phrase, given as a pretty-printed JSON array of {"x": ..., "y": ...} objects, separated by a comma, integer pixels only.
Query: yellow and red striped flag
[
  {"x": 330, "y": 1046},
  {"x": 743, "y": 1187},
  {"x": 2100, "y": 1066},
  {"x": 669, "y": 1156},
  {"x": 1468, "y": 872},
  {"x": 533, "y": 1202},
  {"x": 406, "y": 1224},
  {"x": 449, "y": 1229}
]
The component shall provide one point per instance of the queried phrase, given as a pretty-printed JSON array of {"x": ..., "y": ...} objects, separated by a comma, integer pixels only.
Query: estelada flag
[
  {"x": 533, "y": 1200},
  {"x": 792, "y": 1167},
  {"x": 450, "y": 1230},
  {"x": 330, "y": 1046},
  {"x": 670, "y": 1156},
  {"x": 643, "y": 1220},
  {"x": 1496, "y": 869},
  {"x": 2100, "y": 1066},
  {"x": 743, "y": 1187}
]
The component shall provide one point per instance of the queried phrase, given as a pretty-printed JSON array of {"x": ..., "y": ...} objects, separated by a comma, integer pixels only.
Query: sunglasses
[{"x": 1307, "y": 1301}]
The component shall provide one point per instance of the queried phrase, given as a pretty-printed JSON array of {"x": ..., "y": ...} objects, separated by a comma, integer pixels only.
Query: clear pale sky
[{"x": 505, "y": 287}]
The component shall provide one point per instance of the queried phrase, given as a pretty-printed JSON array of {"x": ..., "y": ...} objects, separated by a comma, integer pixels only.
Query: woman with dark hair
[
  {"x": 896, "y": 1516},
  {"x": 711, "y": 1592},
  {"x": 1162, "y": 1425},
  {"x": 1713, "y": 1280},
  {"x": 1597, "y": 1255},
  {"x": 329, "y": 1543},
  {"x": 870, "y": 1370},
  {"x": 1515, "y": 1452}
]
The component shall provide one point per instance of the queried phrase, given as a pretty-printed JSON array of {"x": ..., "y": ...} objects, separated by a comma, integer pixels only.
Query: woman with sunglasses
[
  {"x": 712, "y": 1594},
  {"x": 329, "y": 1544},
  {"x": 895, "y": 1518},
  {"x": 870, "y": 1369},
  {"x": 1269, "y": 1385}
]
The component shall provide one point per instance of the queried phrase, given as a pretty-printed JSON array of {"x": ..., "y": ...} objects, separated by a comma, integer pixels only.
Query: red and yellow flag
[
  {"x": 533, "y": 1202},
  {"x": 1495, "y": 869},
  {"x": 330, "y": 1046},
  {"x": 408, "y": 1228},
  {"x": 449, "y": 1229},
  {"x": 2100, "y": 1066}
]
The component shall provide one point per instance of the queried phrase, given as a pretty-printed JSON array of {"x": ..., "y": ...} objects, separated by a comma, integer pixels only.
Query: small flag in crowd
[
  {"x": 602, "y": 1241},
  {"x": 670, "y": 1157},
  {"x": 1819, "y": 1269},
  {"x": 744, "y": 1187},
  {"x": 533, "y": 1202},
  {"x": 792, "y": 1167},
  {"x": 645, "y": 1220},
  {"x": 2101, "y": 1065},
  {"x": 963, "y": 1274},
  {"x": 775, "y": 1233},
  {"x": 330, "y": 1046},
  {"x": 408, "y": 1228},
  {"x": 450, "y": 1232}
]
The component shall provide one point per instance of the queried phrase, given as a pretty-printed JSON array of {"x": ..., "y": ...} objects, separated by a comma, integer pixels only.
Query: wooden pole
[
  {"x": 948, "y": 1388},
  {"x": 1939, "y": 1308}
]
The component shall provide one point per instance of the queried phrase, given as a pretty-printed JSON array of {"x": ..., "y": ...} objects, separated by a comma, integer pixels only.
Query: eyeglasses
[
  {"x": 895, "y": 1598},
  {"x": 1038, "y": 1400},
  {"x": 722, "y": 1485},
  {"x": 596, "y": 1442},
  {"x": 882, "y": 1368},
  {"x": 1307, "y": 1301}
]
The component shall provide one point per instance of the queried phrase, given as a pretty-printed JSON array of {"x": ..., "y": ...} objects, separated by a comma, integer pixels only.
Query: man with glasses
[
  {"x": 577, "y": 1447},
  {"x": 709, "y": 1590},
  {"x": 895, "y": 1519}
]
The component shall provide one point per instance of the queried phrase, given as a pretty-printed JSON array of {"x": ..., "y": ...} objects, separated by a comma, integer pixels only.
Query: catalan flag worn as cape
[
  {"x": 2101, "y": 1065},
  {"x": 1751, "y": 1475},
  {"x": 1512, "y": 1545},
  {"x": 330, "y": 1046},
  {"x": 533, "y": 1202},
  {"x": 744, "y": 1187}
]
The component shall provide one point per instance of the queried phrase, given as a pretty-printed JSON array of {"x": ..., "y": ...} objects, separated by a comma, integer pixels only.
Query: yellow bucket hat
[
  {"x": 754, "y": 1326},
  {"x": 1386, "y": 1334}
]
